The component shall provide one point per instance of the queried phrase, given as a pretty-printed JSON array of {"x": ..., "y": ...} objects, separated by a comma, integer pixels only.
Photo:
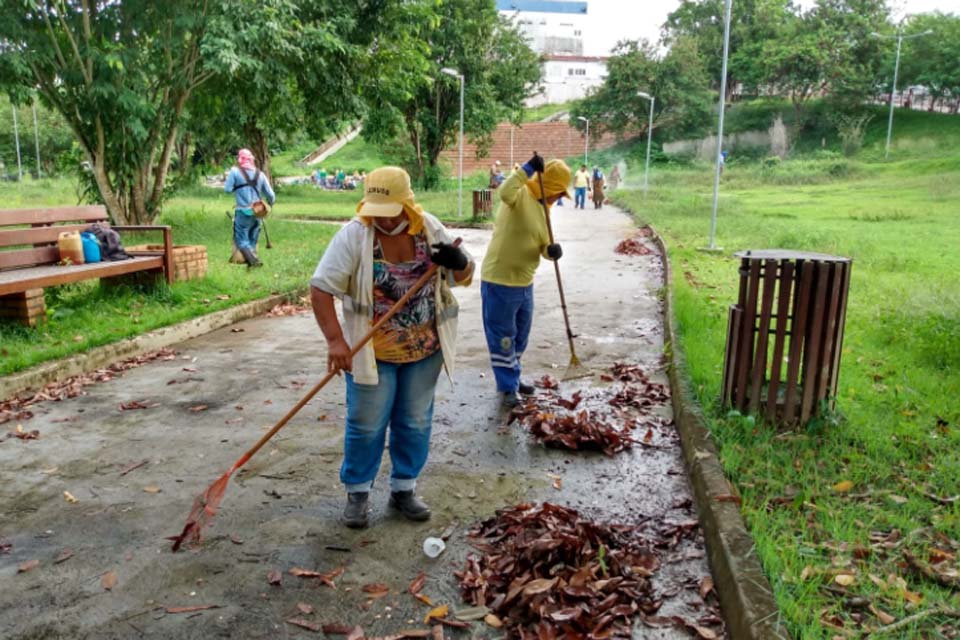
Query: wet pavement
[{"x": 281, "y": 511}]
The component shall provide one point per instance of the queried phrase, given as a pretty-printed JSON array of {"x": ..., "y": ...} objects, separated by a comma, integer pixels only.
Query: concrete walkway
[{"x": 281, "y": 511}]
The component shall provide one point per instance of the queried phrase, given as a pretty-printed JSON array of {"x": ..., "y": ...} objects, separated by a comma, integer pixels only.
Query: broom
[
  {"x": 206, "y": 505},
  {"x": 574, "y": 369}
]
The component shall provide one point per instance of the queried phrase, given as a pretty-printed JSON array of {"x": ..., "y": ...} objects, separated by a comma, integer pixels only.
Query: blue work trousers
[
  {"x": 403, "y": 399},
  {"x": 507, "y": 318},
  {"x": 246, "y": 230},
  {"x": 579, "y": 197}
]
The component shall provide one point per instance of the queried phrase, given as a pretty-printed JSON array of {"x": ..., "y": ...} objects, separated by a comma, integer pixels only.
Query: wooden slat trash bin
[
  {"x": 785, "y": 334},
  {"x": 482, "y": 203}
]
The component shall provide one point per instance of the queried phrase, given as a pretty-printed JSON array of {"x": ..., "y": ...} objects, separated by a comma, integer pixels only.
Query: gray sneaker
[
  {"x": 355, "y": 513},
  {"x": 412, "y": 507}
]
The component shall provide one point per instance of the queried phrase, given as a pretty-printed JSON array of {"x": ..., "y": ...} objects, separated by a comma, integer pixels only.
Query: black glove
[
  {"x": 554, "y": 252},
  {"x": 536, "y": 163},
  {"x": 448, "y": 256}
]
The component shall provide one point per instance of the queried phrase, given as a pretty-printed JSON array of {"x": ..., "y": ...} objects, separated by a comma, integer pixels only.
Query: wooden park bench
[{"x": 29, "y": 257}]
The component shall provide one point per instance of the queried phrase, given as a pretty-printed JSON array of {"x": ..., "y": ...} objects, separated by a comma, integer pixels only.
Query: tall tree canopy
[
  {"x": 422, "y": 106},
  {"x": 932, "y": 60},
  {"x": 678, "y": 80},
  {"x": 120, "y": 74}
]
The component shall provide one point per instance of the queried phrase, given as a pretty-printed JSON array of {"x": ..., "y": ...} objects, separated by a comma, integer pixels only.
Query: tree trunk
[{"x": 259, "y": 146}]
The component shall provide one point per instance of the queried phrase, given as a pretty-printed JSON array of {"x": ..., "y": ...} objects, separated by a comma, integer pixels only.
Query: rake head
[
  {"x": 576, "y": 370},
  {"x": 205, "y": 508}
]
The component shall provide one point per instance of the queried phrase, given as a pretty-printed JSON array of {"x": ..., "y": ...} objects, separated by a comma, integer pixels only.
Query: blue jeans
[
  {"x": 403, "y": 399},
  {"x": 507, "y": 318},
  {"x": 246, "y": 230},
  {"x": 579, "y": 197}
]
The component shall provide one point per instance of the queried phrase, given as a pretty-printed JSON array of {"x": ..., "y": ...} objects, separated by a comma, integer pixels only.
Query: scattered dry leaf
[
  {"x": 304, "y": 624},
  {"x": 274, "y": 577},
  {"x": 304, "y": 608},
  {"x": 108, "y": 580},
  {"x": 23, "y": 567},
  {"x": 191, "y": 608},
  {"x": 65, "y": 555},
  {"x": 492, "y": 620},
  {"x": 843, "y": 486},
  {"x": 151, "y": 489},
  {"x": 69, "y": 497},
  {"x": 844, "y": 579},
  {"x": 436, "y": 612},
  {"x": 198, "y": 408}
]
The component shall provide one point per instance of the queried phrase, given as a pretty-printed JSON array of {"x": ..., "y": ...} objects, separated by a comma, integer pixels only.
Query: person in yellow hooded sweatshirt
[{"x": 520, "y": 239}]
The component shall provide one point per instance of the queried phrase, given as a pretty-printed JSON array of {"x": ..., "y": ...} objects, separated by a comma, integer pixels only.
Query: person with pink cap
[{"x": 248, "y": 186}]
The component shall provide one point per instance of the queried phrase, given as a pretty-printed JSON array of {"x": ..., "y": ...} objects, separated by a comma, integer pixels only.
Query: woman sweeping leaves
[{"x": 370, "y": 264}]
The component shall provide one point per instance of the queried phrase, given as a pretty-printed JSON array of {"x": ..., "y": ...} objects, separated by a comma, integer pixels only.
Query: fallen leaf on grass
[
  {"x": 23, "y": 567},
  {"x": 727, "y": 497},
  {"x": 108, "y": 580},
  {"x": 274, "y": 577},
  {"x": 65, "y": 555},
  {"x": 304, "y": 624},
  {"x": 884, "y": 617},
  {"x": 191, "y": 608},
  {"x": 843, "y": 486},
  {"x": 198, "y": 408},
  {"x": 424, "y": 599},
  {"x": 436, "y": 612},
  {"x": 69, "y": 497},
  {"x": 844, "y": 579},
  {"x": 236, "y": 539},
  {"x": 151, "y": 489},
  {"x": 304, "y": 608}
]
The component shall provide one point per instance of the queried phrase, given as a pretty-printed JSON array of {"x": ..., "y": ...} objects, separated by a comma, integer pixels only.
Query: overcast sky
[{"x": 609, "y": 21}]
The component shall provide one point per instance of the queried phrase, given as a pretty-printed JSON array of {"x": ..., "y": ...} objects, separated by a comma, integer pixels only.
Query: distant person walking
[
  {"x": 581, "y": 182},
  {"x": 614, "y": 177},
  {"x": 248, "y": 186},
  {"x": 597, "y": 188}
]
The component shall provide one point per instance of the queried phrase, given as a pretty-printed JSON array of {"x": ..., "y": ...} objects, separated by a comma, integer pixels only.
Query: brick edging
[
  {"x": 446, "y": 223},
  {"x": 745, "y": 595},
  {"x": 98, "y": 357}
]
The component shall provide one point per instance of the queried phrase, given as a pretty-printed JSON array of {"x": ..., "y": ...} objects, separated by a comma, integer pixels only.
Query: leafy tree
[
  {"x": 678, "y": 81},
  {"x": 56, "y": 140},
  {"x": 121, "y": 75},
  {"x": 752, "y": 23},
  {"x": 932, "y": 60},
  {"x": 422, "y": 106}
]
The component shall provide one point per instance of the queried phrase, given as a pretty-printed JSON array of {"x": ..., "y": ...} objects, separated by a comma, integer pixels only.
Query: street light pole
[
  {"x": 586, "y": 141},
  {"x": 723, "y": 101},
  {"x": 896, "y": 70},
  {"x": 36, "y": 138},
  {"x": 16, "y": 137},
  {"x": 646, "y": 171},
  {"x": 459, "y": 76}
]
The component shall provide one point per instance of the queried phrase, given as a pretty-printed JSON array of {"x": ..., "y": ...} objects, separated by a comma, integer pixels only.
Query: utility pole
[
  {"x": 896, "y": 70},
  {"x": 723, "y": 102},
  {"x": 36, "y": 139},
  {"x": 16, "y": 137}
]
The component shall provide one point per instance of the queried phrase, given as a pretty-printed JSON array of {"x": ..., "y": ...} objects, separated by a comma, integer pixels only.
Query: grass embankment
[
  {"x": 83, "y": 315},
  {"x": 897, "y": 438}
]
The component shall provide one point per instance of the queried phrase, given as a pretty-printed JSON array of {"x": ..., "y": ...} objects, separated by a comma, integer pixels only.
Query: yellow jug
[{"x": 71, "y": 247}]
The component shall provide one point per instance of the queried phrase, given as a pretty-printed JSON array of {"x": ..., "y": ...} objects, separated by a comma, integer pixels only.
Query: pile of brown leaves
[
  {"x": 632, "y": 247},
  {"x": 544, "y": 417},
  {"x": 547, "y": 573},
  {"x": 17, "y": 408}
]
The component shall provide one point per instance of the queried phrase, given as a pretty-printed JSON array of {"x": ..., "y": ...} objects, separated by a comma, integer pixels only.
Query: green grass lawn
[
  {"x": 898, "y": 434},
  {"x": 84, "y": 315}
]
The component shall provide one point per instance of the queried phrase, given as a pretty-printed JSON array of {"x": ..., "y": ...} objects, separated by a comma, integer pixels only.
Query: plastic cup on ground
[{"x": 433, "y": 547}]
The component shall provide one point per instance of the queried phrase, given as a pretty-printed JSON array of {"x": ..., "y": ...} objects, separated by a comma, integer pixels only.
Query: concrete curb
[
  {"x": 56, "y": 370},
  {"x": 745, "y": 595}
]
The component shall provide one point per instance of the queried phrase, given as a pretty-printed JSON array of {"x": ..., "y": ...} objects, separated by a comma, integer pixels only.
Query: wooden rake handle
[
  {"x": 424, "y": 279},
  {"x": 556, "y": 268}
]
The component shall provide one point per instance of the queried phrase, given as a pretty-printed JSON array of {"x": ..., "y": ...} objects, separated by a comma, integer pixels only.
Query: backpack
[{"x": 111, "y": 249}]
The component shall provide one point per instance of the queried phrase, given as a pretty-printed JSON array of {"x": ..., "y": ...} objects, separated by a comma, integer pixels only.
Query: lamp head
[
  {"x": 582, "y": 118},
  {"x": 644, "y": 95},
  {"x": 450, "y": 72}
]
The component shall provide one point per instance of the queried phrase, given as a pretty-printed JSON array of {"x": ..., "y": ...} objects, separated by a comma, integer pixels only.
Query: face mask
[{"x": 396, "y": 231}]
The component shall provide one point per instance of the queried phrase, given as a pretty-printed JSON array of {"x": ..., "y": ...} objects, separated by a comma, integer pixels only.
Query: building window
[
  {"x": 577, "y": 32},
  {"x": 576, "y": 72}
]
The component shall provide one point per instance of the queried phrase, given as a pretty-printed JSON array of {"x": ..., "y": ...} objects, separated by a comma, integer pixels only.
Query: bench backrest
[{"x": 28, "y": 237}]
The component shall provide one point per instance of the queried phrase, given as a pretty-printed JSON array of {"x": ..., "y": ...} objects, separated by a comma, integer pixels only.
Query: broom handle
[
  {"x": 327, "y": 378},
  {"x": 556, "y": 267}
]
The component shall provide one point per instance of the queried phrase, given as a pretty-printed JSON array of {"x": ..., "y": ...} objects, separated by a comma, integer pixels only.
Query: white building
[{"x": 555, "y": 29}]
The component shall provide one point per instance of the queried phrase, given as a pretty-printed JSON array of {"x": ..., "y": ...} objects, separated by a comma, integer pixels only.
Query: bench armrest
[{"x": 167, "y": 243}]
